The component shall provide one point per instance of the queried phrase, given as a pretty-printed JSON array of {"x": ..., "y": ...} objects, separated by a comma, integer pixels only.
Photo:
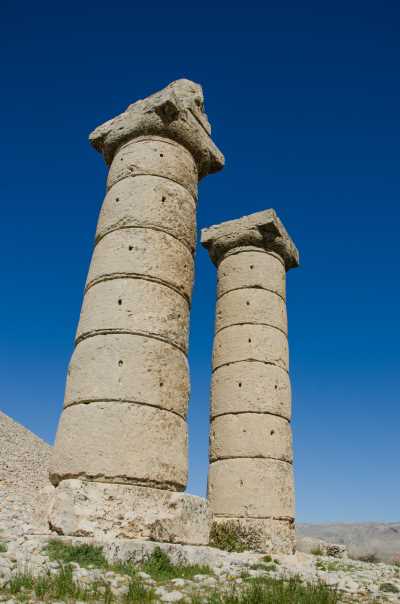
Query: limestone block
[
  {"x": 266, "y": 535},
  {"x": 135, "y": 306},
  {"x": 150, "y": 201},
  {"x": 114, "y": 511},
  {"x": 251, "y": 387},
  {"x": 252, "y": 269},
  {"x": 250, "y": 342},
  {"x": 121, "y": 442},
  {"x": 250, "y": 435},
  {"x": 250, "y": 305},
  {"x": 125, "y": 367},
  {"x": 158, "y": 156},
  {"x": 151, "y": 253},
  {"x": 259, "y": 488}
]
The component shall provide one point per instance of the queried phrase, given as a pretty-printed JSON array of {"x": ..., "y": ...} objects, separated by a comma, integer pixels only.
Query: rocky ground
[{"x": 194, "y": 572}]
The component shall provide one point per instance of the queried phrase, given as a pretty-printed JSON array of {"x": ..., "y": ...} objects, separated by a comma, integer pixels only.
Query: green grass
[
  {"x": 316, "y": 551},
  {"x": 277, "y": 591},
  {"x": 3, "y": 547},
  {"x": 389, "y": 588},
  {"x": 333, "y": 566},
  {"x": 84, "y": 554},
  {"x": 61, "y": 586},
  {"x": 160, "y": 567}
]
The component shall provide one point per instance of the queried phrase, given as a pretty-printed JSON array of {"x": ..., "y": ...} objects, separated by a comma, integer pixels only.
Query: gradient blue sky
[{"x": 304, "y": 102}]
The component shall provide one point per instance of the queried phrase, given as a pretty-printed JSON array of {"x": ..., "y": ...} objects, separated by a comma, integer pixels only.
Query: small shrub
[
  {"x": 389, "y": 588},
  {"x": 83, "y": 554},
  {"x": 316, "y": 551},
  {"x": 233, "y": 537}
]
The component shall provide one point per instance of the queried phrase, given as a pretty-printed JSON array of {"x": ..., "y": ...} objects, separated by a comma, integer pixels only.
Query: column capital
[
  {"x": 175, "y": 112},
  {"x": 260, "y": 230}
]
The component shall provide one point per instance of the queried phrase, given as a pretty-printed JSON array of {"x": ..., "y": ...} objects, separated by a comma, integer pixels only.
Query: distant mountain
[{"x": 361, "y": 539}]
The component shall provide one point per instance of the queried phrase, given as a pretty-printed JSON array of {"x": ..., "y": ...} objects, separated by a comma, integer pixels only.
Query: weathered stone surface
[
  {"x": 127, "y": 391},
  {"x": 135, "y": 306},
  {"x": 251, "y": 267},
  {"x": 123, "y": 367},
  {"x": 250, "y": 435},
  {"x": 250, "y": 472},
  {"x": 250, "y": 305},
  {"x": 177, "y": 113},
  {"x": 145, "y": 252},
  {"x": 267, "y": 535},
  {"x": 93, "y": 509},
  {"x": 24, "y": 482},
  {"x": 251, "y": 387},
  {"x": 250, "y": 342},
  {"x": 121, "y": 442},
  {"x": 150, "y": 155},
  {"x": 150, "y": 201},
  {"x": 262, "y": 229},
  {"x": 259, "y": 488}
]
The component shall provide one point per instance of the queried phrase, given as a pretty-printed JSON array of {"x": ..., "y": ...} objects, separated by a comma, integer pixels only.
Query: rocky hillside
[
  {"x": 24, "y": 483},
  {"x": 362, "y": 539}
]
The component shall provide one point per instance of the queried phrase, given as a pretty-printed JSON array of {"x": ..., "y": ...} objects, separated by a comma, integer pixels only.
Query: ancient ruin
[
  {"x": 120, "y": 459},
  {"x": 250, "y": 473}
]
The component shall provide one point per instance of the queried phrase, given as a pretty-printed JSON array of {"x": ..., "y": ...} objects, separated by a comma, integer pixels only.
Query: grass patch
[
  {"x": 277, "y": 591},
  {"x": 332, "y": 566},
  {"x": 3, "y": 547},
  {"x": 138, "y": 593},
  {"x": 84, "y": 554},
  {"x": 316, "y": 551},
  {"x": 61, "y": 586},
  {"x": 389, "y": 588},
  {"x": 159, "y": 567}
]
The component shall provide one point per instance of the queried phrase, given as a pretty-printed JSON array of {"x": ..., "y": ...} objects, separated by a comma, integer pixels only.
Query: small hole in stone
[
  {"x": 249, "y": 340},
  {"x": 119, "y": 301},
  {"x": 272, "y": 432},
  {"x": 251, "y": 266},
  {"x": 122, "y": 159},
  {"x": 276, "y": 386},
  {"x": 241, "y": 483},
  {"x": 163, "y": 199},
  {"x": 240, "y": 384},
  {"x": 161, "y": 154},
  {"x": 247, "y": 303},
  {"x": 130, "y": 248},
  {"x": 161, "y": 384},
  {"x": 120, "y": 363},
  {"x": 117, "y": 199}
]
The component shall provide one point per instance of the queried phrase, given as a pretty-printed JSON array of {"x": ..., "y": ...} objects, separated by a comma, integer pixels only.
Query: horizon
[{"x": 303, "y": 103}]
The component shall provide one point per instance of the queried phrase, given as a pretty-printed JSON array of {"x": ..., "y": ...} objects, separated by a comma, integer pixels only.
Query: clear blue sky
[{"x": 304, "y": 102}]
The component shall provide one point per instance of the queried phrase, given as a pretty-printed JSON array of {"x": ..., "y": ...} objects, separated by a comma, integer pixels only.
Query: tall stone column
[
  {"x": 250, "y": 485},
  {"x": 121, "y": 449}
]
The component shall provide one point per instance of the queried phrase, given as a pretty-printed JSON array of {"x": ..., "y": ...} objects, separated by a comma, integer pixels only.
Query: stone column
[
  {"x": 121, "y": 448},
  {"x": 250, "y": 488}
]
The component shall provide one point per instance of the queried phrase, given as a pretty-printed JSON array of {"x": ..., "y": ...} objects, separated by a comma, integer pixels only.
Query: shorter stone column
[{"x": 250, "y": 484}]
